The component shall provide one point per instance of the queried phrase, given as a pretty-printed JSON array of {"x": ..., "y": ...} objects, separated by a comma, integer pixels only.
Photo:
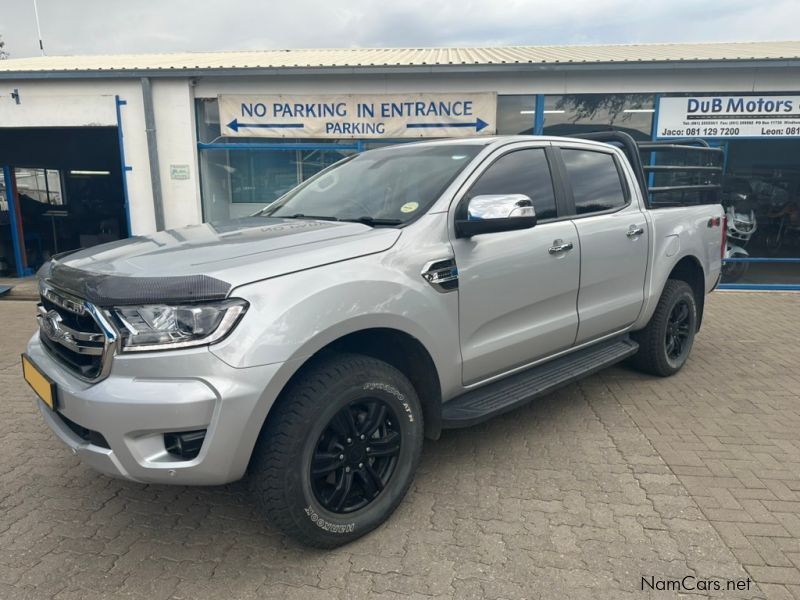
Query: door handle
[
  {"x": 559, "y": 246},
  {"x": 635, "y": 232}
]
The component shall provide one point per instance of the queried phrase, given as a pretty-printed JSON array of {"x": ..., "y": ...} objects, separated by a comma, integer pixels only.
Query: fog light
[{"x": 184, "y": 444}]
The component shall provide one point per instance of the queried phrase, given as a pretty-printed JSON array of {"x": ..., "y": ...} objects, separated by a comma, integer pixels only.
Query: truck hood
[{"x": 234, "y": 252}]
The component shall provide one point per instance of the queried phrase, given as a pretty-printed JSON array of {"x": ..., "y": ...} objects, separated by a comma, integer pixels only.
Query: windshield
[{"x": 387, "y": 186}]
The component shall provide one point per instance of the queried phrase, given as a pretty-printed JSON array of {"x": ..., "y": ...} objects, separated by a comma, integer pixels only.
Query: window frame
[
  {"x": 559, "y": 192},
  {"x": 626, "y": 191},
  {"x": 62, "y": 187}
]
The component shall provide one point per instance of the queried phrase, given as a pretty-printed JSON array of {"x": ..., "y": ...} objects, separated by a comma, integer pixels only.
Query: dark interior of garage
[{"x": 67, "y": 187}]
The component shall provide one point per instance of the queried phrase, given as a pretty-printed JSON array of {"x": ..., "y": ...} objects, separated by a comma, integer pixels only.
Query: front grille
[{"x": 70, "y": 331}]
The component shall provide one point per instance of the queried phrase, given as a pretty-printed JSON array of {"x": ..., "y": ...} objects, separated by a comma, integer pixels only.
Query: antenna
[{"x": 38, "y": 27}]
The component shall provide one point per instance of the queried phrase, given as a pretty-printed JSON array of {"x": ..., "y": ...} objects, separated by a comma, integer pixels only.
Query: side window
[
  {"x": 595, "y": 181},
  {"x": 519, "y": 172}
]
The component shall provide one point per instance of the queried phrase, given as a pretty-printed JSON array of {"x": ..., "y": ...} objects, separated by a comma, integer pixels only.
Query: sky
[{"x": 125, "y": 26}]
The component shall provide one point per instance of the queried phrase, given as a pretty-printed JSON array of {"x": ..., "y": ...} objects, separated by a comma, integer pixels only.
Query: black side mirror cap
[{"x": 468, "y": 227}]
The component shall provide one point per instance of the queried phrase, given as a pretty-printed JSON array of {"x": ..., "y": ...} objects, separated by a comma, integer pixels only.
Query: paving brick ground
[{"x": 579, "y": 495}]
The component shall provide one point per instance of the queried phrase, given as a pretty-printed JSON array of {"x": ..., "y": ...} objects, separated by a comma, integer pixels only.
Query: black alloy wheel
[
  {"x": 678, "y": 330},
  {"x": 667, "y": 340},
  {"x": 338, "y": 450},
  {"x": 355, "y": 456}
]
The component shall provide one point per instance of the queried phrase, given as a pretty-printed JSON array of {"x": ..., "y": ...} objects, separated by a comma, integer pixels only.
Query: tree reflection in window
[{"x": 582, "y": 113}]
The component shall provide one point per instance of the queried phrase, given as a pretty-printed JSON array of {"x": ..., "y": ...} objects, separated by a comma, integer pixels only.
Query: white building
[{"x": 94, "y": 148}]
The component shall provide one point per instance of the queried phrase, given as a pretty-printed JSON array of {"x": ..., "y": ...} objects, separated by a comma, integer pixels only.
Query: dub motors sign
[
  {"x": 356, "y": 116},
  {"x": 728, "y": 116}
]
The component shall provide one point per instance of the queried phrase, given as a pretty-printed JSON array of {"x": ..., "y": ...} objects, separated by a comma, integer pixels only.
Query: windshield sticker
[{"x": 409, "y": 207}]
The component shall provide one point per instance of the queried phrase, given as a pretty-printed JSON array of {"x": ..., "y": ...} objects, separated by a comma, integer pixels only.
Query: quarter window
[
  {"x": 595, "y": 181},
  {"x": 520, "y": 172}
]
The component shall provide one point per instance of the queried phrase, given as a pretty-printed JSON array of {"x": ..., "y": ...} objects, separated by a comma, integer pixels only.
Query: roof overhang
[{"x": 39, "y": 74}]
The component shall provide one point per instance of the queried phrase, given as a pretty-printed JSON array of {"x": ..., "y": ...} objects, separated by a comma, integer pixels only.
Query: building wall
[
  {"x": 77, "y": 103},
  {"x": 679, "y": 79},
  {"x": 173, "y": 102},
  {"x": 84, "y": 102}
]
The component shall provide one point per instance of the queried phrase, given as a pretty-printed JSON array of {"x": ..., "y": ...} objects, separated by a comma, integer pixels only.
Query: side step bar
[{"x": 516, "y": 390}]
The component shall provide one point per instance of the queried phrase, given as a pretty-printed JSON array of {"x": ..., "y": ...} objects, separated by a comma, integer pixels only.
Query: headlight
[{"x": 164, "y": 327}]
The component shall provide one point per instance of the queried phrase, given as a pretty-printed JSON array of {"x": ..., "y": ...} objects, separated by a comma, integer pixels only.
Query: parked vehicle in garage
[
  {"x": 785, "y": 226},
  {"x": 741, "y": 225},
  {"x": 397, "y": 293}
]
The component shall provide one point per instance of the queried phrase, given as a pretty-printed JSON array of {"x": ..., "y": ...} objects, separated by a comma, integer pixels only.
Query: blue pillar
[
  {"x": 125, "y": 168},
  {"x": 538, "y": 121},
  {"x": 16, "y": 242}
]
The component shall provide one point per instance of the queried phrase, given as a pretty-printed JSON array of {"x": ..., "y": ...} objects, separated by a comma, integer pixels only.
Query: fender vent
[{"x": 441, "y": 274}]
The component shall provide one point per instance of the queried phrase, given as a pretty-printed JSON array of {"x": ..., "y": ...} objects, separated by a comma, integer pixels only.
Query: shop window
[
  {"x": 761, "y": 193},
  {"x": 40, "y": 185},
  {"x": 261, "y": 176},
  {"x": 516, "y": 115},
  {"x": 236, "y": 183},
  {"x": 584, "y": 113},
  {"x": 207, "y": 116}
]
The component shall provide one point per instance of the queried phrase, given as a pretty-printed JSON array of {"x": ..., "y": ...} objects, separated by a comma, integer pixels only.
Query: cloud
[{"x": 117, "y": 26}]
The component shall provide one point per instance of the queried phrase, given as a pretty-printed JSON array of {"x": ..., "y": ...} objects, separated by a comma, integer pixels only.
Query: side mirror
[{"x": 496, "y": 212}]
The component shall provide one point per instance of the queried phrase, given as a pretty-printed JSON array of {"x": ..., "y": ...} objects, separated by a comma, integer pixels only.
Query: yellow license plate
[{"x": 44, "y": 387}]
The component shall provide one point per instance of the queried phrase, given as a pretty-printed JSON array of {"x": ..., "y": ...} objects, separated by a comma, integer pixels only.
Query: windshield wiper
[
  {"x": 373, "y": 222},
  {"x": 302, "y": 216}
]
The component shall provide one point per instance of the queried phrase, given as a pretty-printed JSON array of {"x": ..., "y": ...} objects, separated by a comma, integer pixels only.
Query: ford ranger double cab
[{"x": 399, "y": 292}]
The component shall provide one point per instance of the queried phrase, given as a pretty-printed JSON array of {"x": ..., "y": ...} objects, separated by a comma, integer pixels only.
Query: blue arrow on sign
[
  {"x": 478, "y": 124},
  {"x": 236, "y": 126}
]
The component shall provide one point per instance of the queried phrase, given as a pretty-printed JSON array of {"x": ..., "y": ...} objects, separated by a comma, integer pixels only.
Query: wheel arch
[
  {"x": 690, "y": 270},
  {"x": 398, "y": 348}
]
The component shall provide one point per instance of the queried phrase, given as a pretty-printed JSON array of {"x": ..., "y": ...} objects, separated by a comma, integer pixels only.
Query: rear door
[
  {"x": 613, "y": 235},
  {"x": 517, "y": 289}
]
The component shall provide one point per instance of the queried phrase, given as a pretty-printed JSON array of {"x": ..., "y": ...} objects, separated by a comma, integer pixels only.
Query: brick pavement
[{"x": 577, "y": 496}]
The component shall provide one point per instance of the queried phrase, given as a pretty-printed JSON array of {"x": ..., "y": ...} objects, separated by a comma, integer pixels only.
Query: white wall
[
  {"x": 71, "y": 106},
  {"x": 679, "y": 79},
  {"x": 173, "y": 102}
]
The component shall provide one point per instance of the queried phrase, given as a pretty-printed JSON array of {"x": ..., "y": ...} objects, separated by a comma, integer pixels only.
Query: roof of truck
[{"x": 486, "y": 140}]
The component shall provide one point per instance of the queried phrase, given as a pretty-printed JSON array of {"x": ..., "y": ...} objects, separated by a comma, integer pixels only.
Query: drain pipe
[{"x": 152, "y": 152}]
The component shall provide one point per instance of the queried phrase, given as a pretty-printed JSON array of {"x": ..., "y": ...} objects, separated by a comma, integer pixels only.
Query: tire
[
  {"x": 309, "y": 427},
  {"x": 656, "y": 356}
]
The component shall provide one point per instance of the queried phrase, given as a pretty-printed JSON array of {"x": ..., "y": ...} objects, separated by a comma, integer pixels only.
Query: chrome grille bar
[
  {"x": 65, "y": 301},
  {"x": 63, "y": 320}
]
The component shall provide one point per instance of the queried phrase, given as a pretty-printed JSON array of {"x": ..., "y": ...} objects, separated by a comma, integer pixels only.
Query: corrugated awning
[{"x": 365, "y": 58}]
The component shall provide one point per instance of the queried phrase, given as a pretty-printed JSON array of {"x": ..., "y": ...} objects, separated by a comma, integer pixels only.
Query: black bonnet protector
[{"x": 113, "y": 290}]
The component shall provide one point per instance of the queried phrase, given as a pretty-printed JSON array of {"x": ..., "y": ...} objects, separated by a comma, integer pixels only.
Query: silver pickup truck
[{"x": 399, "y": 292}]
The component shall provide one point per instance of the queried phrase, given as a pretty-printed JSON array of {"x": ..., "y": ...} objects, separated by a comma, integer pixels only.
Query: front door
[{"x": 517, "y": 289}]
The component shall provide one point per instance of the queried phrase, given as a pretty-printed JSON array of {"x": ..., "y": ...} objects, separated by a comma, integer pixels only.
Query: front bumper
[{"x": 149, "y": 394}]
